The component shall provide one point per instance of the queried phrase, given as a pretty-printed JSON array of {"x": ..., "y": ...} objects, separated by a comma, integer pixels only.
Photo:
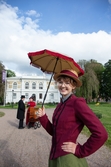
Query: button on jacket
[{"x": 68, "y": 120}]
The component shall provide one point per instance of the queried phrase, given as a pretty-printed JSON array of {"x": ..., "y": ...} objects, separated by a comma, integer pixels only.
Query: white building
[{"x": 28, "y": 85}]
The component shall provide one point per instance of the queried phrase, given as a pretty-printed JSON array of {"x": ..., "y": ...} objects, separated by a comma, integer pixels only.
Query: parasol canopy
[
  {"x": 46, "y": 61},
  {"x": 53, "y": 62}
]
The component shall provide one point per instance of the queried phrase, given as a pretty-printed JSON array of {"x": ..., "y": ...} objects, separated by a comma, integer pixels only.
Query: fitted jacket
[
  {"x": 21, "y": 110},
  {"x": 68, "y": 121},
  {"x": 31, "y": 104}
]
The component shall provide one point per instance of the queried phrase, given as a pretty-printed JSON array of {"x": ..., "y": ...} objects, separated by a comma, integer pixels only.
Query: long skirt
[
  {"x": 68, "y": 160},
  {"x": 27, "y": 117}
]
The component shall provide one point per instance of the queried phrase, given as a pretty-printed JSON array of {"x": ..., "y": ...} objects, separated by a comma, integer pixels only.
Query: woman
[
  {"x": 69, "y": 118},
  {"x": 31, "y": 103}
]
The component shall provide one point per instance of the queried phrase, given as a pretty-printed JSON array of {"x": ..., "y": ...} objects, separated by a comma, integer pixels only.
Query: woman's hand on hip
[{"x": 69, "y": 147}]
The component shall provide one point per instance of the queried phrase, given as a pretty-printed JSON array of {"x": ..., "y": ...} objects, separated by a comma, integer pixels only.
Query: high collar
[{"x": 66, "y": 97}]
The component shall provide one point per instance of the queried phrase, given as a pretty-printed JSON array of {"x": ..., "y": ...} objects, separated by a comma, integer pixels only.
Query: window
[
  {"x": 33, "y": 85},
  {"x": 40, "y": 85},
  {"x": 14, "y": 85},
  {"x": 26, "y": 95},
  {"x": 26, "y": 85},
  {"x": 34, "y": 96},
  {"x": 14, "y": 95},
  {"x": 52, "y": 96},
  {"x": 40, "y": 96}
]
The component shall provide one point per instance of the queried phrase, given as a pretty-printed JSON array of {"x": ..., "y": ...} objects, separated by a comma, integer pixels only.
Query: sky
[{"x": 78, "y": 29}]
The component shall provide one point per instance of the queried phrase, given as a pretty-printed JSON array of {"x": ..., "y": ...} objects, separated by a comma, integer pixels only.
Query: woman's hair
[{"x": 67, "y": 78}]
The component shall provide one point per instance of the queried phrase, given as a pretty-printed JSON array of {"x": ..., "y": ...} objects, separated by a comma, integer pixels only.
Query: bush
[
  {"x": 99, "y": 115},
  {"x": 8, "y": 103}
]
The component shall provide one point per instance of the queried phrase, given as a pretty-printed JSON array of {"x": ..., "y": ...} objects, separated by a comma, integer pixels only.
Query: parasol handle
[{"x": 49, "y": 82}]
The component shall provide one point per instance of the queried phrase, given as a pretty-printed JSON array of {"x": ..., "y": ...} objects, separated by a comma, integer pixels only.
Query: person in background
[
  {"x": 31, "y": 103},
  {"x": 69, "y": 118},
  {"x": 21, "y": 112}
]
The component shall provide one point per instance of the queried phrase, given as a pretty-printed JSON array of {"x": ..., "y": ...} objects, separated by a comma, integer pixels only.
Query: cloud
[
  {"x": 33, "y": 13},
  {"x": 20, "y": 35},
  {"x": 109, "y": 1}
]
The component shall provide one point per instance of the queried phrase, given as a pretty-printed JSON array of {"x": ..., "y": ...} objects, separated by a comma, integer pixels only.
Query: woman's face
[{"x": 65, "y": 86}]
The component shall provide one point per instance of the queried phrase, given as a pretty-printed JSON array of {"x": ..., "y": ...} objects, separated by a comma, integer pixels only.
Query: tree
[
  {"x": 105, "y": 88},
  {"x": 98, "y": 69},
  {"x": 1, "y": 84},
  {"x": 90, "y": 79},
  {"x": 10, "y": 73}
]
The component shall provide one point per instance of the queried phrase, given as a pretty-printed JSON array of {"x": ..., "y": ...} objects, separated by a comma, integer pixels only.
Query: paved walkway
[{"x": 30, "y": 147}]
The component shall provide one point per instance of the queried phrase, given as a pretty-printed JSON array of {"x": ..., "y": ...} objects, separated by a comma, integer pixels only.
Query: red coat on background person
[{"x": 31, "y": 103}]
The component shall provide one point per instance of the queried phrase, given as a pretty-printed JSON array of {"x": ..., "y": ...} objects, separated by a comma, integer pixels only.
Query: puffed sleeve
[
  {"x": 98, "y": 133},
  {"x": 46, "y": 124}
]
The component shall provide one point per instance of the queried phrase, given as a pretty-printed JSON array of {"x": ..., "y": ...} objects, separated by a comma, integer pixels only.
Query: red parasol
[{"x": 53, "y": 62}]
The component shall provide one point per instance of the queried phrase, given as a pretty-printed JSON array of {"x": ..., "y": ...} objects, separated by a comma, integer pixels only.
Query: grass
[
  {"x": 103, "y": 109},
  {"x": 47, "y": 105},
  {"x": 2, "y": 114},
  {"x": 38, "y": 105}
]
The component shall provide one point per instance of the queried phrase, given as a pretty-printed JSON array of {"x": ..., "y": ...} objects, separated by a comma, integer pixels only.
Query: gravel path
[{"x": 30, "y": 147}]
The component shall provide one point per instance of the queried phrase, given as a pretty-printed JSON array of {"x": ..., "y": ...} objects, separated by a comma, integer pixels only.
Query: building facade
[{"x": 28, "y": 86}]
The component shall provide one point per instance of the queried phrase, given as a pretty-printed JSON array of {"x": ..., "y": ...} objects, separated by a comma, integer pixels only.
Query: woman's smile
[{"x": 64, "y": 87}]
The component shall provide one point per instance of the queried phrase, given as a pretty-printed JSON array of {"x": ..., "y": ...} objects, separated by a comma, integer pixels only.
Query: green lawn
[
  {"x": 2, "y": 114},
  {"x": 105, "y": 110},
  {"x": 101, "y": 109},
  {"x": 38, "y": 105}
]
